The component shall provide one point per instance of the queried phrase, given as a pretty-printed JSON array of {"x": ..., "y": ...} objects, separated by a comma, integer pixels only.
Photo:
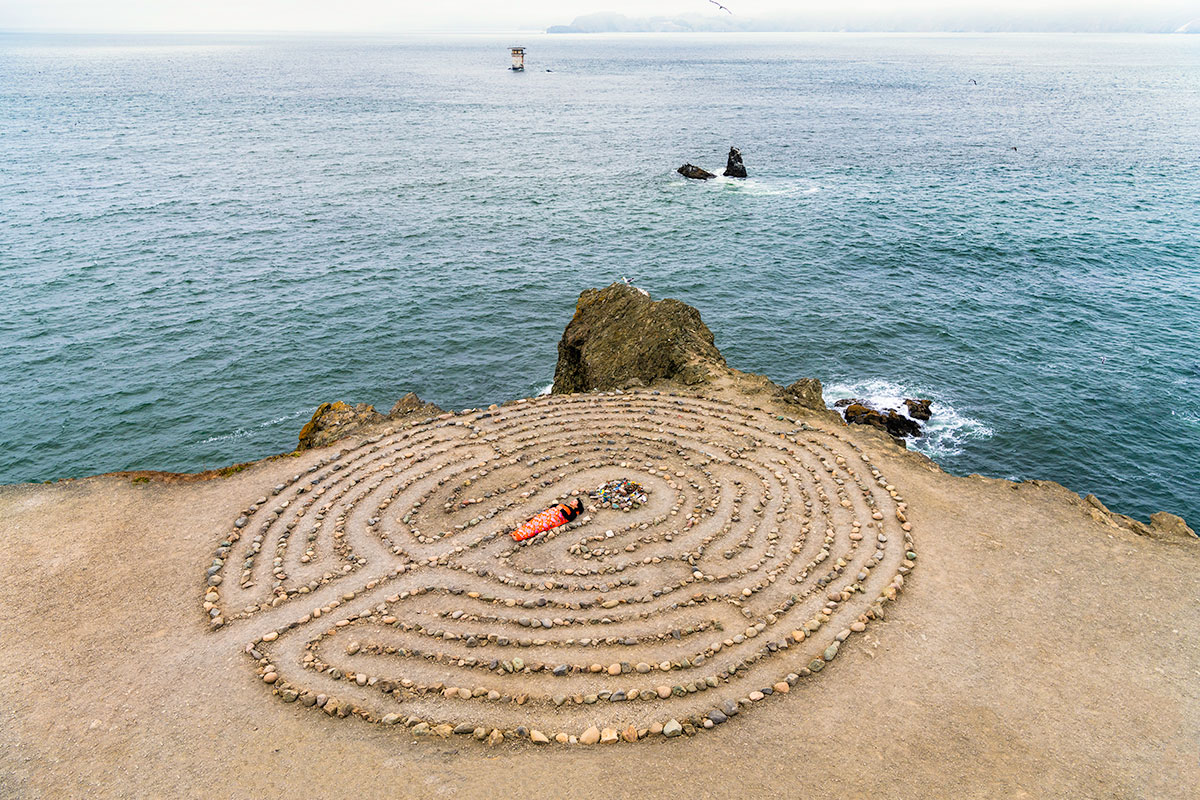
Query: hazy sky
[{"x": 418, "y": 15}]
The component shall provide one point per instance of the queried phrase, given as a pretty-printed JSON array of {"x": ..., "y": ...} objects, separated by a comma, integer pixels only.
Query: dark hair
[{"x": 572, "y": 509}]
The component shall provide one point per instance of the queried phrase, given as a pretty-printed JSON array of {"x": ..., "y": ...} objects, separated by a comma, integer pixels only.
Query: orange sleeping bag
[{"x": 549, "y": 519}]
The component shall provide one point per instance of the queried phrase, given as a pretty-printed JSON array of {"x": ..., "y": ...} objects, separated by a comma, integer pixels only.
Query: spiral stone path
[{"x": 382, "y": 583}]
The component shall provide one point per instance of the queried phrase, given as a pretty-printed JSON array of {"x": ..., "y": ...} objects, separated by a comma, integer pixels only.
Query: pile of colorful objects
[{"x": 620, "y": 494}]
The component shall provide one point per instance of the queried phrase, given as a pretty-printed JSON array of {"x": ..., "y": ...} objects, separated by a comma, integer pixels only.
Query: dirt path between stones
[{"x": 846, "y": 619}]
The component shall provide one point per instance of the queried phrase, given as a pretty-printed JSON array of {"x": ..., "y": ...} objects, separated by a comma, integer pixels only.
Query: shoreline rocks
[
  {"x": 860, "y": 412},
  {"x": 337, "y": 420},
  {"x": 919, "y": 409}
]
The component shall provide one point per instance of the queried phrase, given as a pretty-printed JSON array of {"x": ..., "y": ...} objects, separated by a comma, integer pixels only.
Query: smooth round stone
[{"x": 590, "y": 736}]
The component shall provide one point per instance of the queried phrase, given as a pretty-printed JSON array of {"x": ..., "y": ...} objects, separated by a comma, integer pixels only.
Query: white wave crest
[{"x": 242, "y": 433}]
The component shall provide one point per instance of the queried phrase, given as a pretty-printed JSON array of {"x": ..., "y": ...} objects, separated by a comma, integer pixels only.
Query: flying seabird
[{"x": 723, "y": 8}]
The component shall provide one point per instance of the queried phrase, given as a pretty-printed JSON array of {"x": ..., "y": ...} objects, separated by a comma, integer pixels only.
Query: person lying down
[{"x": 551, "y": 518}]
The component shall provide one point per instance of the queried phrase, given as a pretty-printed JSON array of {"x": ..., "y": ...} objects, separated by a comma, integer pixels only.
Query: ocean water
[{"x": 201, "y": 238}]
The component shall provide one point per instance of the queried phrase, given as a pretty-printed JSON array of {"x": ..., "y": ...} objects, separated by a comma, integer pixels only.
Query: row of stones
[{"x": 715, "y": 716}]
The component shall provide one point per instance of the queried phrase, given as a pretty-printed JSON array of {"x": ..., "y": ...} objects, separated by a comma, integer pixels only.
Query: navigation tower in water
[{"x": 518, "y": 57}]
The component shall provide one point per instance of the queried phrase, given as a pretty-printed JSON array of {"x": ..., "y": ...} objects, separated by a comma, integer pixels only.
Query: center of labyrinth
[{"x": 382, "y": 582}]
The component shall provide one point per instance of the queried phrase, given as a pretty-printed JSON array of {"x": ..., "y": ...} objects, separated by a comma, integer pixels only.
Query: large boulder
[
  {"x": 337, "y": 420},
  {"x": 695, "y": 173},
  {"x": 619, "y": 337},
  {"x": 734, "y": 168},
  {"x": 333, "y": 421},
  {"x": 808, "y": 393}
]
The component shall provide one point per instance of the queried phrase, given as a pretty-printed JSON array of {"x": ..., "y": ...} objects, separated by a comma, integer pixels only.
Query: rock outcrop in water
[
  {"x": 619, "y": 337},
  {"x": 861, "y": 412},
  {"x": 734, "y": 168},
  {"x": 919, "y": 409},
  {"x": 888, "y": 420},
  {"x": 337, "y": 420},
  {"x": 695, "y": 173}
]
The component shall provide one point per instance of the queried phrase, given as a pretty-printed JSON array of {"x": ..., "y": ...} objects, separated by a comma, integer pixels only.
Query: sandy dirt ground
[{"x": 1033, "y": 652}]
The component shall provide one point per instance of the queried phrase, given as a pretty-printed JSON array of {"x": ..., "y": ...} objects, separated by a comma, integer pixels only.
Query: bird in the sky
[{"x": 718, "y": 5}]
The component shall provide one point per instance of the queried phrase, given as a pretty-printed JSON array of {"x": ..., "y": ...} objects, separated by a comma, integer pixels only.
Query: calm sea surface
[{"x": 203, "y": 238}]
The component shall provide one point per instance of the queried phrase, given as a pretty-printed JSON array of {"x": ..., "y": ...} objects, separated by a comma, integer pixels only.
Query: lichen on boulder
[{"x": 619, "y": 338}]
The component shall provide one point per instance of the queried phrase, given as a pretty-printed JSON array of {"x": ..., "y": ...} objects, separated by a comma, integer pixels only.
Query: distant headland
[{"x": 1172, "y": 18}]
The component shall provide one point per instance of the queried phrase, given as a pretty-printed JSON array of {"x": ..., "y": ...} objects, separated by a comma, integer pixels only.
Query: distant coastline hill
[{"x": 1161, "y": 20}]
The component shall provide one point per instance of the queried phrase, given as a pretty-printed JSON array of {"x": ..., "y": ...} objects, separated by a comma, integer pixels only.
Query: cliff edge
[{"x": 797, "y": 608}]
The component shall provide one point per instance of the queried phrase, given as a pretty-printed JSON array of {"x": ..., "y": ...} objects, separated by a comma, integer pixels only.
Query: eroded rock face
[
  {"x": 619, "y": 338},
  {"x": 337, "y": 420},
  {"x": 1163, "y": 523},
  {"x": 695, "y": 173},
  {"x": 332, "y": 421},
  {"x": 808, "y": 393},
  {"x": 734, "y": 168}
]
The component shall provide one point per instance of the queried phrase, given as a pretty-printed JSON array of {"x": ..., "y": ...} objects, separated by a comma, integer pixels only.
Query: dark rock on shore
[
  {"x": 919, "y": 409},
  {"x": 860, "y": 412},
  {"x": 734, "y": 168},
  {"x": 619, "y": 338},
  {"x": 695, "y": 173},
  {"x": 337, "y": 420},
  {"x": 888, "y": 420},
  {"x": 808, "y": 393}
]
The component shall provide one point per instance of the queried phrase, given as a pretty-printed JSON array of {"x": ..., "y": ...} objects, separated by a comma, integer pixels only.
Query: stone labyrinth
[{"x": 382, "y": 582}]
